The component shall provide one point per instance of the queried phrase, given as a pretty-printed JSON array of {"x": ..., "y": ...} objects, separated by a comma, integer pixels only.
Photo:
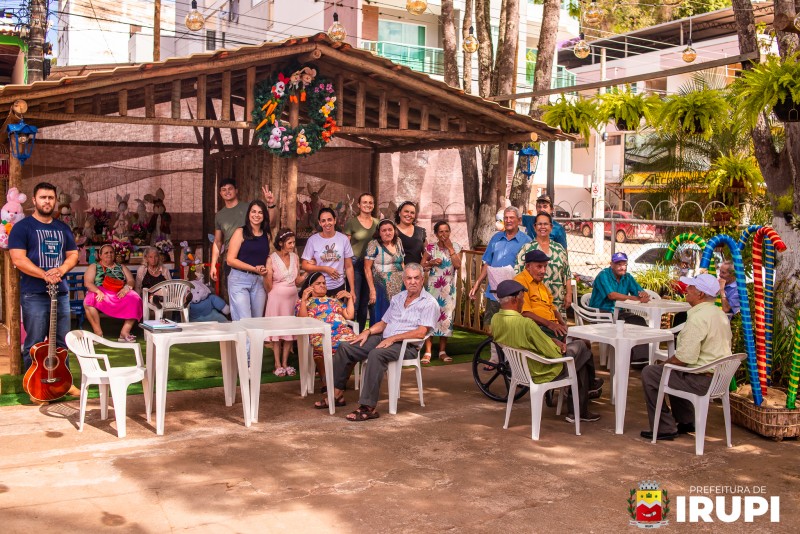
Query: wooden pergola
[{"x": 381, "y": 106}]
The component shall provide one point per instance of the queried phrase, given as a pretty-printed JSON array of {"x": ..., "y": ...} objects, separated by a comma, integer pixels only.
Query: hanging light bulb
[
  {"x": 470, "y": 44},
  {"x": 336, "y": 32},
  {"x": 416, "y": 7},
  {"x": 581, "y": 48},
  {"x": 689, "y": 53},
  {"x": 194, "y": 19},
  {"x": 593, "y": 14}
]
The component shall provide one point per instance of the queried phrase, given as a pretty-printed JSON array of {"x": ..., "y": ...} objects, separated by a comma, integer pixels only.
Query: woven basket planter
[{"x": 773, "y": 423}]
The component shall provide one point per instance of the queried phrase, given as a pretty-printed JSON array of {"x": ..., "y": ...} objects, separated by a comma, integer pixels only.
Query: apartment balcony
[{"x": 419, "y": 58}]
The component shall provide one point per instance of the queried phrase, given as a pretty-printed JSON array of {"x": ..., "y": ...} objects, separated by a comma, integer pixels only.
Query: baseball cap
[
  {"x": 619, "y": 256},
  {"x": 536, "y": 256},
  {"x": 544, "y": 198},
  {"x": 509, "y": 287},
  {"x": 705, "y": 283}
]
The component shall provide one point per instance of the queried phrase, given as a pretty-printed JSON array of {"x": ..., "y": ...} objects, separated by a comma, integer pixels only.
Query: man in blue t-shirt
[
  {"x": 557, "y": 234},
  {"x": 615, "y": 283},
  {"x": 43, "y": 249}
]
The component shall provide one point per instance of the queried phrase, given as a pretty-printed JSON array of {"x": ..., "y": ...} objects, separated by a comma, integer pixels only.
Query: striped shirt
[{"x": 399, "y": 319}]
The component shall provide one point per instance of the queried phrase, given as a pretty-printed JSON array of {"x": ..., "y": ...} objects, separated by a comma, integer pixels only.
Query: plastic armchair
[
  {"x": 658, "y": 354},
  {"x": 118, "y": 379},
  {"x": 584, "y": 314},
  {"x": 521, "y": 376},
  {"x": 723, "y": 370},
  {"x": 357, "y": 367},
  {"x": 173, "y": 298},
  {"x": 395, "y": 372}
]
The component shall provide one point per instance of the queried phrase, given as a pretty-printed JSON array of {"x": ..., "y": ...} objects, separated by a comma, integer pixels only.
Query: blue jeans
[
  {"x": 36, "y": 318},
  {"x": 362, "y": 293},
  {"x": 246, "y": 294}
]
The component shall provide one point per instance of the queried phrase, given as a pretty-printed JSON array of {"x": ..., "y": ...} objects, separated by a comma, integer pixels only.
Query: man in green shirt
[
  {"x": 510, "y": 328},
  {"x": 705, "y": 338},
  {"x": 233, "y": 216}
]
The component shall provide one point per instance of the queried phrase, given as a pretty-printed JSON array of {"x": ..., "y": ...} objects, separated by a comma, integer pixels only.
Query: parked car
[
  {"x": 561, "y": 214},
  {"x": 652, "y": 254},
  {"x": 626, "y": 228}
]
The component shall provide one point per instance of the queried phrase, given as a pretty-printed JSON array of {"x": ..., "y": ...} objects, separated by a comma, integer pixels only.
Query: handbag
[{"x": 113, "y": 284}]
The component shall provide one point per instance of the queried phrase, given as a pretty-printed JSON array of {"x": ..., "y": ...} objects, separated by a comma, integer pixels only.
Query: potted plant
[
  {"x": 578, "y": 117},
  {"x": 625, "y": 108},
  {"x": 733, "y": 174},
  {"x": 693, "y": 111},
  {"x": 771, "y": 85}
]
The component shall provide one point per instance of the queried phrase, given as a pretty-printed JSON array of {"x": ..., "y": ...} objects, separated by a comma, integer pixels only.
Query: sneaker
[
  {"x": 587, "y": 417},
  {"x": 595, "y": 394},
  {"x": 596, "y": 388}
]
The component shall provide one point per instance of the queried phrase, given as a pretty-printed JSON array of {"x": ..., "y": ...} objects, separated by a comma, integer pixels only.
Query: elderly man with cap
[
  {"x": 615, "y": 283},
  {"x": 510, "y": 328},
  {"x": 705, "y": 338}
]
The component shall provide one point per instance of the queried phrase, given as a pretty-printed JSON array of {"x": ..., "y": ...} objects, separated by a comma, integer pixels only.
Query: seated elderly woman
[
  {"x": 151, "y": 273},
  {"x": 109, "y": 289}
]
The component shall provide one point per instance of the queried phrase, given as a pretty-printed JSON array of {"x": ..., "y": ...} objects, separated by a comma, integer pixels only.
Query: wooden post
[
  {"x": 502, "y": 170},
  {"x": 339, "y": 99},
  {"x": 201, "y": 96},
  {"x": 423, "y": 118},
  {"x": 208, "y": 192},
  {"x": 149, "y": 101},
  {"x": 361, "y": 104},
  {"x": 11, "y": 277},
  {"x": 403, "y": 113},
  {"x": 290, "y": 203},
  {"x": 122, "y": 103},
  {"x": 176, "y": 99},
  {"x": 226, "y": 95},
  {"x": 383, "y": 110},
  {"x": 157, "y": 31},
  {"x": 374, "y": 177}
]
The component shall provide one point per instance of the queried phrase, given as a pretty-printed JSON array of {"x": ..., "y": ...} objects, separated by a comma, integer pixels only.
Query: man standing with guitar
[{"x": 44, "y": 250}]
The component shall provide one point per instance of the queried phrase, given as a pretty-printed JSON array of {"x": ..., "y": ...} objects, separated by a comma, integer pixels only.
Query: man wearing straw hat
[{"x": 705, "y": 338}]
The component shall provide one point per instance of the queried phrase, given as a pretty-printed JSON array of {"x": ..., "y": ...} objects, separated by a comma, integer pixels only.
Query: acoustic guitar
[{"x": 48, "y": 378}]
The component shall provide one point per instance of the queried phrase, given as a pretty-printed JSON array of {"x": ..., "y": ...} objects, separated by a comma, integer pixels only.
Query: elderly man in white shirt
[{"x": 412, "y": 314}]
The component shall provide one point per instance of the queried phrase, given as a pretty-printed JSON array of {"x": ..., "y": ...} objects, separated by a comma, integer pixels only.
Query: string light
[
  {"x": 194, "y": 19},
  {"x": 337, "y": 32},
  {"x": 593, "y": 14},
  {"x": 581, "y": 48},
  {"x": 689, "y": 53},
  {"x": 416, "y": 7},
  {"x": 470, "y": 44}
]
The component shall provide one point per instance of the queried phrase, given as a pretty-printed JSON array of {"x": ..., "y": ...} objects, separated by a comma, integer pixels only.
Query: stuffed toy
[
  {"x": 11, "y": 213},
  {"x": 205, "y": 305},
  {"x": 160, "y": 221},
  {"x": 122, "y": 224},
  {"x": 188, "y": 258}
]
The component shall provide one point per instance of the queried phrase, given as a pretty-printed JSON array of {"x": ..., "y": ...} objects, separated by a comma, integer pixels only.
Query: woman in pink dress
[
  {"x": 281, "y": 283},
  {"x": 109, "y": 289}
]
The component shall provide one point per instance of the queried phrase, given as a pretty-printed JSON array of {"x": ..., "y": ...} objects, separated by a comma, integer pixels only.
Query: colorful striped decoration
[
  {"x": 771, "y": 242},
  {"x": 794, "y": 373}
]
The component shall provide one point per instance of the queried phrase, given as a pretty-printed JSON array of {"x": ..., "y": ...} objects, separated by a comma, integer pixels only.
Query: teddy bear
[
  {"x": 205, "y": 305},
  {"x": 302, "y": 143},
  {"x": 11, "y": 213}
]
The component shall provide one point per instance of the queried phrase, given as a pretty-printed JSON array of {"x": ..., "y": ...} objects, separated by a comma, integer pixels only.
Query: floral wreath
[{"x": 271, "y": 96}]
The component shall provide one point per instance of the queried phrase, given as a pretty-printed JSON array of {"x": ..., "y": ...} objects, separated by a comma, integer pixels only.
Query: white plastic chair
[
  {"x": 584, "y": 314},
  {"x": 521, "y": 376},
  {"x": 357, "y": 367},
  {"x": 118, "y": 379},
  {"x": 173, "y": 298},
  {"x": 660, "y": 355},
  {"x": 723, "y": 370}
]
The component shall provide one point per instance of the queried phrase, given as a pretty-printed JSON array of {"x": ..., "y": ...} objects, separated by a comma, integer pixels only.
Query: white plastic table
[
  {"x": 654, "y": 309},
  {"x": 232, "y": 341},
  {"x": 623, "y": 342},
  {"x": 260, "y": 328}
]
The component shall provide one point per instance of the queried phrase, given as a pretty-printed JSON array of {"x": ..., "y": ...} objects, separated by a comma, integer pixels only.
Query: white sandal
[{"x": 444, "y": 357}]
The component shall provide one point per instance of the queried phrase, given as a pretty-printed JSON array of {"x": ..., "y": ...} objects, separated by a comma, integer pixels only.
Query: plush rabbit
[
  {"x": 275, "y": 137},
  {"x": 11, "y": 213},
  {"x": 160, "y": 221}
]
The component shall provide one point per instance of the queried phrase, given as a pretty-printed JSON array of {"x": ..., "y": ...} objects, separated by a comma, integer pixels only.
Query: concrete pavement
[{"x": 448, "y": 467}]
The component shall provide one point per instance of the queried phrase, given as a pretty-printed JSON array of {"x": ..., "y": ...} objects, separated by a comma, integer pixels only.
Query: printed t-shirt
[
  {"x": 46, "y": 245},
  {"x": 329, "y": 252}
]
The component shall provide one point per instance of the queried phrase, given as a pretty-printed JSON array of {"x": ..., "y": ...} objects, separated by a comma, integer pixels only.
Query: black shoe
[
  {"x": 587, "y": 417},
  {"x": 594, "y": 394},
  {"x": 665, "y": 436},
  {"x": 685, "y": 428},
  {"x": 548, "y": 398},
  {"x": 596, "y": 388}
]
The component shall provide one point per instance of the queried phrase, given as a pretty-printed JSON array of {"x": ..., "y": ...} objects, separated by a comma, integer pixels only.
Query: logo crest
[{"x": 648, "y": 505}]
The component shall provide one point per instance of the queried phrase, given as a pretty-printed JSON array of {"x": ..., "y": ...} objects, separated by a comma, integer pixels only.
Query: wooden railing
[{"x": 469, "y": 313}]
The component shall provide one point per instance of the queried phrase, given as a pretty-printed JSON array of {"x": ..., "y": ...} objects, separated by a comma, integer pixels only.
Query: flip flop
[{"x": 444, "y": 357}]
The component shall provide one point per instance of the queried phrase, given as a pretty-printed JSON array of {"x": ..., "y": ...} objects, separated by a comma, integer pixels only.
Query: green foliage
[
  {"x": 695, "y": 111},
  {"x": 784, "y": 203},
  {"x": 759, "y": 89},
  {"x": 733, "y": 170},
  {"x": 658, "y": 279},
  {"x": 578, "y": 117},
  {"x": 626, "y": 108}
]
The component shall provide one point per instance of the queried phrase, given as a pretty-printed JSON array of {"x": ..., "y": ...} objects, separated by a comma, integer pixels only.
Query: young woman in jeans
[
  {"x": 248, "y": 251},
  {"x": 360, "y": 230}
]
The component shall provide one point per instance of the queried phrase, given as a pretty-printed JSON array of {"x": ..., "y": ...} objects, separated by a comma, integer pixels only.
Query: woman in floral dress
[
  {"x": 383, "y": 267},
  {"x": 443, "y": 258},
  {"x": 558, "y": 275},
  {"x": 315, "y": 304}
]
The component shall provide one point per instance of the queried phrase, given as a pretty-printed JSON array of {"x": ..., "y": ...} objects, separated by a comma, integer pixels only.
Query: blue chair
[{"x": 77, "y": 292}]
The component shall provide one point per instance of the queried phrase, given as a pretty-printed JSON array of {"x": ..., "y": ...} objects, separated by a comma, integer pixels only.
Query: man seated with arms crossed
[
  {"x": 615, "y": 283},
  {"x": 412, "y": 314},
  {"x": 510, "y": 328},
  {"x": 705, "y": 338},
  {"x": 538, "y": 306}
]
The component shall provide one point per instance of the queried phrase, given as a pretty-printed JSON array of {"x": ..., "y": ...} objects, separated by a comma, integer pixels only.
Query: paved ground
[{"x": 448, "y": 467}]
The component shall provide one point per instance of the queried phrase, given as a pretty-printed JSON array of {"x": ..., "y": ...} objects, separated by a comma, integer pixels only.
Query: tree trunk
[
  {"x": 483, "y": 28},
  {"x": 37, "y": 37}
]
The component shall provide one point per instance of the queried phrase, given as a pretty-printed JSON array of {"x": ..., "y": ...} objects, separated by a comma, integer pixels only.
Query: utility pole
[
  {"x": 38, "y": 23},
  {"x": 157, "y": 31},
  {"x": 600, "y": 172}
]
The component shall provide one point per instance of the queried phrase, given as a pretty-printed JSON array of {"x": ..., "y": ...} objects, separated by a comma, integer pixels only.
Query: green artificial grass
[{"x": 198, "y": 366}]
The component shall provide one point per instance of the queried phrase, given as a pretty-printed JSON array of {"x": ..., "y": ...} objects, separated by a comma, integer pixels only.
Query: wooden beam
[
  {"x": 226, "y": 95},
  {"x": 122, "y": 102},
  {"x": 361, "y": 98},
  {"x": 423, "y": 119},
  {"x": 120, "y": 144},
  {"x": 635, "y": 78},
  {"x": 201, "y": 97},
  {"x": 176, "y": 99},
  {"x": 416, "y": 134},
  {"x": 383, "y": 109},
  {"x": 403, "y": 113},
  {"x": 429, "y": 145},
  {"x": 149, "y": 102},
  {"x": 249, "y": 90},
  {"x": 111, "y": 119},
  {"x": 340, "y": 99}
]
